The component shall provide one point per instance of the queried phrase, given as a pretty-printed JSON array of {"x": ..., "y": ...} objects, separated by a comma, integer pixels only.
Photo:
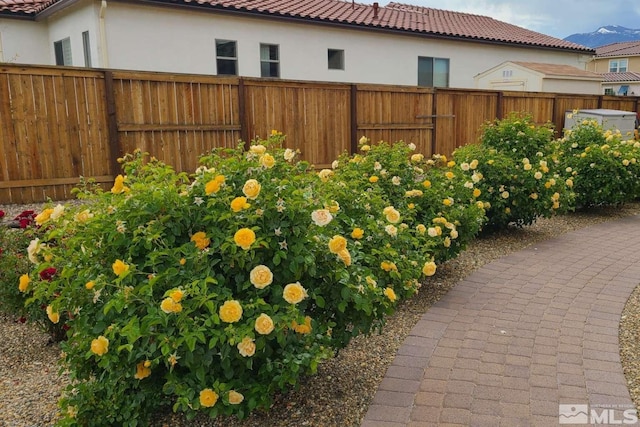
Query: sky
[{"x": 557, "y": 18}]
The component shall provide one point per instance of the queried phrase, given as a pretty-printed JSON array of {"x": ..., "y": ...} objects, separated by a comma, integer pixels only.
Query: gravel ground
[{"x": 340, "y": 393}]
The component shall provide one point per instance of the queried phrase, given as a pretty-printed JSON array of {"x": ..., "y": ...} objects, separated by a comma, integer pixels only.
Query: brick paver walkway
[{"x": 520, "y": 336}]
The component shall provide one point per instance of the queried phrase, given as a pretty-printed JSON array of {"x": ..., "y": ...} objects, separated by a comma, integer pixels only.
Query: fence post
[
  {"x": 499, "y": 105},
  {"x": 242, "y": 115},
  {"x": 112, "y": 121},
  {"x": 353, "y": 99},
  {"x": 434, "y": 120}
]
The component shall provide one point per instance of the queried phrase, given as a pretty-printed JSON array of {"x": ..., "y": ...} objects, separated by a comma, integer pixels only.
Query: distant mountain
[{"x": 605, "y": 35}]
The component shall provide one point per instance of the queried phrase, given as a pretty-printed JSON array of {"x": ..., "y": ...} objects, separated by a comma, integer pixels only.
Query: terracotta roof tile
[
  {"x": 619, "y": 49},
  {"x": 394, "y": 16},
  {"x": 24, "y": 6},
  {"x": 559, "y": 70},
  {"x": 621, "y": 77}
]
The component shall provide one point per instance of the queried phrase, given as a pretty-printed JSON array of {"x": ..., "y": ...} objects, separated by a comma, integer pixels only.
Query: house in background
[
  {"x": 539, "y": 77},
  {"x": 320, "y": 40},
  {"x": 619, "y": 64}
]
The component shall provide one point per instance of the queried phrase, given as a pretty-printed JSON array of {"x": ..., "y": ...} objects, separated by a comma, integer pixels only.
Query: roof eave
[
  {"x": 54, "y": 8},
  {"x": 23, "y": 16}
]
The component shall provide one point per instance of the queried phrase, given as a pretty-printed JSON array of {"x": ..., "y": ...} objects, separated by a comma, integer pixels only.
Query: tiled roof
[
  {"x": 394, "y": 16},
  {"x": 558, "y": 70},
  {"x": 24, "y": 7},
  {"x": 621, "y": 77},
  {"x": 619, "y": 49}
]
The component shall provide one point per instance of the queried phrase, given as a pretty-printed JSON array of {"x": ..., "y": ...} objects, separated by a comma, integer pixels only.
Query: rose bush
[
  {"x": 602, "y": 168},
  {"x": 515, "y": 189},
  {"x": 213, "y": 291}
]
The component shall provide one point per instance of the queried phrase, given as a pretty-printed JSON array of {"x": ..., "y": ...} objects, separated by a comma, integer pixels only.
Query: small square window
[{"x": 336, "y": 59}]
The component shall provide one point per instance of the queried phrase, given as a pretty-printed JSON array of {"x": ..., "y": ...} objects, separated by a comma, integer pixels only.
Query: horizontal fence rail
[{"x": 59, "y": 125}]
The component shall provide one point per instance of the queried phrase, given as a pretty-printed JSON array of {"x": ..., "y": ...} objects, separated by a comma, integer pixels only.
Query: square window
[
  {"x": 433, "y": 72},
  {"x": 336, "y": 59}
]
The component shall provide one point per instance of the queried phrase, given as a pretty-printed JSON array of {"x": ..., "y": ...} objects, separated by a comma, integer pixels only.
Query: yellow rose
[
  {"x": 90, "y": 284},
  {"x": 267, "y": 161},
  {"x": 44, "y": 216},
  {"x": 357, "y": 233},
  {"x": 337, "y": 243},
  {"x": 142, "y": 371},
  {"x": 234, "y": 397},
  {"x": 118, "y": 185},
  {"x": 83, "y": 216},
  {"x": 239, "y": 203},
  {"x": 212, "y": 187},
  {"x": 119, "y": 267},
  {"x": 208, "y": 398},
  {"x": 200, "y": 239},
  {"x": 53, "y": 316},
  {"x": 230, "y": 311},
  {"x": 293, "y": 293},
  {"x": 451, "y": 164},
  {"x": 373, "y": 179},
  {"x": 388, "y": 266},
  {"x": 345, "y": 256},
  {"x": 24, "y": 283},
  {"x": 449, "y": 175},
  {"x": 365, "y": 148},
  {"x": 447, "y": 202},
  {"x": 420, "y": 228},
  {"x": 176, "y": 295},
  {"x": 389, "y": 293},
  {"x": 305, "y": 328},
  {"x": 392, "y": 215},
  {"x": 251, "y": 189},
  {"x": 417, "y": 157},
  {"x": 476, "y": 192},
  {"x": 264, "y": 324},
  {"x": 168, "y": 305},
  {"x": 426, "y": 184},
  {"x": 429, "y": 268},
  {"x": 258, "y": 149},
  {"x": 100, "y": 345},
  {"x": 244, "y": 238},
  {"x": 321, "y": 217},
  {"x": 182, "y": 261},
  {"x": 261, "y": 276},
  {"x": 247, "y": 347}
]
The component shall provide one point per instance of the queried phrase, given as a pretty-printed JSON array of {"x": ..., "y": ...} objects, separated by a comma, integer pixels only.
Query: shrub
[
  {"x": 602, "y": 168},
  {"x": 430, "y": 197},
  {"x": 214, "y": 291},
  {"x": 517, "y": 136},
  {"x": 514, "y": 192}
]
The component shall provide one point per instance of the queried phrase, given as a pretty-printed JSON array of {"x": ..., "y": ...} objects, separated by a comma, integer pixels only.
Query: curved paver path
[{"x": 519, "y": 336}]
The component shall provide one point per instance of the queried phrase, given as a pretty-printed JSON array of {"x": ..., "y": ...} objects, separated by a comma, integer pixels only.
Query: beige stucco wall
[{"x": 559, "y": 85}]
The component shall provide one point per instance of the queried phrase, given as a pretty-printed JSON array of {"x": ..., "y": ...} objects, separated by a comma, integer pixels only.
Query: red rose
[{"x": 48, "y": 273}]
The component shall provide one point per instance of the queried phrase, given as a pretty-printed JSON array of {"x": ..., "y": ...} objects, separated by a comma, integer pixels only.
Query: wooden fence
[{"x": 58, "y": 124}]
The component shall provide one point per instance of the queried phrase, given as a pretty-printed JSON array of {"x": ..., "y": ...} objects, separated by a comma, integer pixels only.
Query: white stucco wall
[
  {"x": 178, "y": 40},
  {"x": 24, "y": 42}
]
